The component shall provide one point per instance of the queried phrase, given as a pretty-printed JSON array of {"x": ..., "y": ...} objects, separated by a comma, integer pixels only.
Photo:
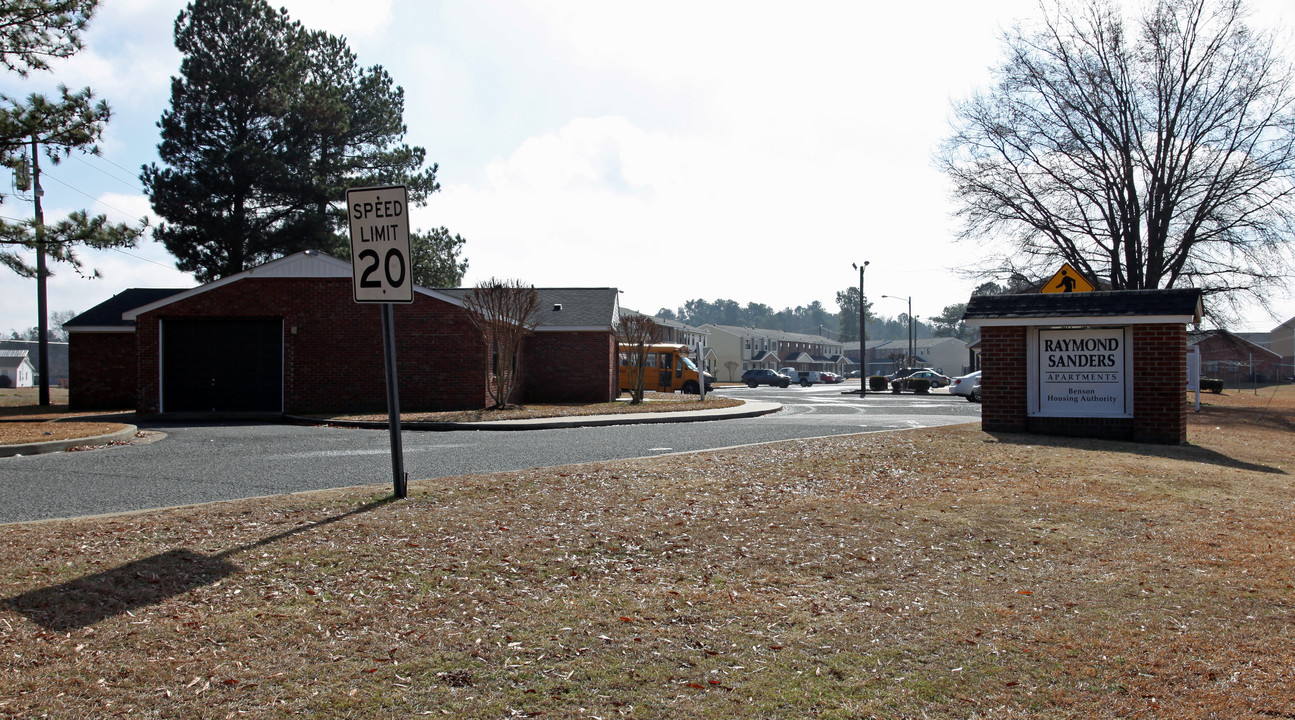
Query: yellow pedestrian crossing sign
[{"x": 1067, "y": 280}]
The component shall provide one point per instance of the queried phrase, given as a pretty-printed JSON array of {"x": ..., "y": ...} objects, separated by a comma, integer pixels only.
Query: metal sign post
[
  {"x": 381, "y": 266},
  {"x": 399, "y": 478},
  {"x": 701, "y": 370}
]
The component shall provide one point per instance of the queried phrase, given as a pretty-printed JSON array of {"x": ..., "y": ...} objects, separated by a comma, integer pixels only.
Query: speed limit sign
[{"x": 381, "y": 263}]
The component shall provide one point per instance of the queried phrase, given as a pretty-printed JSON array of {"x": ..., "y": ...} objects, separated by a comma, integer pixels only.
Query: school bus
[{"x": 667, "y": 368}]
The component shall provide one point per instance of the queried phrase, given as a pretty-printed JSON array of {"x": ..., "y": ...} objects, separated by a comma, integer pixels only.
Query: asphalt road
[{"x": 203, "y": 463}]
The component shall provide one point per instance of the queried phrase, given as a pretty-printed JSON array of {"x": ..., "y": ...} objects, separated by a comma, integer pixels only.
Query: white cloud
[{"x": 341, "y": 17}]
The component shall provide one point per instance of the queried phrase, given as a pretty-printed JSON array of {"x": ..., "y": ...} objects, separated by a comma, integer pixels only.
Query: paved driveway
[{"x": 202, "y": 463}]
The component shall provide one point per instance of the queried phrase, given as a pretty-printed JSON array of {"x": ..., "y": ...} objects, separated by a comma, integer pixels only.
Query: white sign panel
[
  {"x": 1083, "y": 373},
  {"x": 380, "y": 256}
]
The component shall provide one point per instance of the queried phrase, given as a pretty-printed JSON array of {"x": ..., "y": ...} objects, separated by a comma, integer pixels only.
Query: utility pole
[
  {"x": 863, "y": 334},
  {"x": 42, "y": 309}
]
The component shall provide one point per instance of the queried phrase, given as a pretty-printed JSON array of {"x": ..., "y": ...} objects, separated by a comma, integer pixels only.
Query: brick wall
[
  {"x": 1222, "y": 353},
  {"x": 1159, "y": 400},
  {"x": 332, "y": 355},
  {"x": 570, "y": 367},
  {"x": 1159, "y": 383},
  {"x": 1003, "y": 404},
  {"x": 103, "y": 369}
]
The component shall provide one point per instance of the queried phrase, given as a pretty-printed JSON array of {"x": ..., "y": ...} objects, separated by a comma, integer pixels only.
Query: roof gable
[
  {"x": 305, "y": 264},
  {"x": 1223, "y": 338}
]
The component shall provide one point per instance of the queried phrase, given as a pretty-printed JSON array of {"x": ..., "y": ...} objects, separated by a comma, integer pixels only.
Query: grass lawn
[{"x": 943, "y": 573}]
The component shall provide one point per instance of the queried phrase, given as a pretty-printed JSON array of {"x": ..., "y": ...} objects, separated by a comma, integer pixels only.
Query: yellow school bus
[{"x": 667, "y": 368}]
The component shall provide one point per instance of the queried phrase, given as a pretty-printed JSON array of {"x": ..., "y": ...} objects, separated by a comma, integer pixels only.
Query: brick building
[
  {"x": 1234, "y": 359},
  {"x": 1106, "y": 364},
  {"x": 288, "y": 337}
]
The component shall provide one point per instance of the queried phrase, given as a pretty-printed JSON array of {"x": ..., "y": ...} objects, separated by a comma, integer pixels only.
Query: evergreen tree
[
  {"x": 436, "y": 258},
  {"x": 31, "y": 33},
  {"x": 269, "y": 125},
  {"x": 34, "y": 31}
]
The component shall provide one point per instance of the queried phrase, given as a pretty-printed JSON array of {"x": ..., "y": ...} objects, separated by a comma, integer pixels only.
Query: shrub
[
  {"x": 877, "y": 383},
  {"x": 1214, "y": 385},
  {"x": 920, "y": 385}
]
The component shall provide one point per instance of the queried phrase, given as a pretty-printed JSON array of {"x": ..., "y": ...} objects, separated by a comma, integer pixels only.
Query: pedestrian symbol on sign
[{"x": 1067, "y": 281}]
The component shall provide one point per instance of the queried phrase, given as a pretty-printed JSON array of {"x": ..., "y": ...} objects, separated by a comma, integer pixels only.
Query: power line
[
  {"x": 130, "y": 184},
  {"x": 93, "y": 198}
]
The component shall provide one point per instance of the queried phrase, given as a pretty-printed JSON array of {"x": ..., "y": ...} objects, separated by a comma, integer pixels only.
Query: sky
[{"x": 751, "y": 151}]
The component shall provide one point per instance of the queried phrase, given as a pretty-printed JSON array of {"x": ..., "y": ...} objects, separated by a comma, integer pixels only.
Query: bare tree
[
  {"x": 731, "y": 366},
  {"x": 1152, "y": 154},
  {"x": 634, "y": 333},
  {"x": 504, "y": 312}
]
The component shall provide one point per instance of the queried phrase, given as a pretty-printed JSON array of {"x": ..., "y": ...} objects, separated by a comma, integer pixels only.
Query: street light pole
[
  {"x": 912, "y": 336},
  {"x": 863, "y": 333}
]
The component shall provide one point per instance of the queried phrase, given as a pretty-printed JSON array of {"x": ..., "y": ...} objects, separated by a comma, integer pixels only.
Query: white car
[{"x": 967, "y": 385}]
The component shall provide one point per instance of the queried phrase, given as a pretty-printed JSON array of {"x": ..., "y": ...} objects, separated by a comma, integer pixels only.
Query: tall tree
[
  {"x": 436, "y": 258},
  {"x": 349, "y": 121},
  {"x": 848, "y": 319},
  {"x": 32, "y": 32},
  {"x": 1147, "y": 154},
  {"x": 949, "y": 323},
  {"x": 268, "y": 126},
  {"x": 225, "y": 192}
]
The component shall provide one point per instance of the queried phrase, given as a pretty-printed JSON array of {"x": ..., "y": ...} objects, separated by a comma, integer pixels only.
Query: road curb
[
  {"x": 750, "y": 409},
  {"x": 52, "y": 446}
]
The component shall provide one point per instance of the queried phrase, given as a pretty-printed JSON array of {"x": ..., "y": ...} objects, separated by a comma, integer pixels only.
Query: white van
[{"x": 805, "y": 379}]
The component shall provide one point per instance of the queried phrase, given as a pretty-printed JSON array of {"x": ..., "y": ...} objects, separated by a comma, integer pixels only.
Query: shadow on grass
[
  {"x": 1186, "y": 453},
  {"x": 86, "y": 601}
]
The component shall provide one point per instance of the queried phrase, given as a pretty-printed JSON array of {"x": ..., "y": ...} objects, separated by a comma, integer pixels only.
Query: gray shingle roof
[
  {"x": 108, "y": 313},
  {"x": 1101, "y": 304},
  {"x": 579, "y": 307}
]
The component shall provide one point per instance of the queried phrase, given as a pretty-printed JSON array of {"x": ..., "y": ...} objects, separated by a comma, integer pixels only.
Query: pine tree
[
  {"x": 32, "y": 32},
  {"x": 269, "y": 125}
]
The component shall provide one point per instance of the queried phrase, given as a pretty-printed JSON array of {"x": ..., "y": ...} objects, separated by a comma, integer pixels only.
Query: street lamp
[
  {"x": 863, "y": 333},
  {"x": 912, "y": 351}
]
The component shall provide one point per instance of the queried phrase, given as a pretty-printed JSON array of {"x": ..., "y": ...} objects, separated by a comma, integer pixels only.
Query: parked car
[
  {"x": 854, "y": 374},
  {"x": 902, "y": 373},
  {"x": 830, "y": 378},
  {"x": 804, "y": 377},
  {"x": 935, "y": 379},
  {"x": 967, "y": 386},
  {"x": 765, "y": 376}
]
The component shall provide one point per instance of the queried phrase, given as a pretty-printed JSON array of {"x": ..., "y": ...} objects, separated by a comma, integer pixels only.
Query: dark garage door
[{"x": 222, "y": 365}]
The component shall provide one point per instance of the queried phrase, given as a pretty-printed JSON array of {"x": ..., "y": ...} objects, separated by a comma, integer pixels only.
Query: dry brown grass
[
  {"x": 23, "y": 420},
  {"x": 934, "y": 573},
  {"x": 29, "y": 396}
]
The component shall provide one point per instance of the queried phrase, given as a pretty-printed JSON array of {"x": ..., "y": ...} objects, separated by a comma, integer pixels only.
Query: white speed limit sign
[{"x": 381, "y": 263}]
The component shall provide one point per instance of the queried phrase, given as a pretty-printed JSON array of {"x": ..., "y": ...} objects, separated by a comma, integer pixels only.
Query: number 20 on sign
[{"x": 380, "y": 256}]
